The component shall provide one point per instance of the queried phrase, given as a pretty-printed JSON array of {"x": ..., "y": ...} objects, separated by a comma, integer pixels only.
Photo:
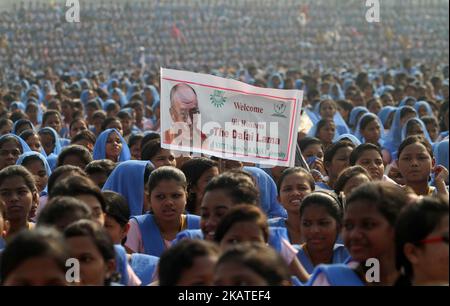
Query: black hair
[
  {"x": 193, "y": 169},
  {"x": 334, "y": 148},
  {"x": 415, "y": 139},
  {"x": 327, "y": 200},
  {"x": 63, "y": 210},
  {"x": 180, "y": 257},
  {"x": 430, "y": 120},
  {"x": 134, "y": 139},
  {"x": 98, "y": 114},
  {"x": 84, "y": 135},
  {"x": 77, "y": 185},
  {"x": 407, "y": 110},
  {"x": 322, "y": 124},
  {"x": 58, "y": 172},
  {"x": 366, "y": 120},
  {"x": 40, "y": 242},
  {"x": 21, "y": 122},
  {"x": 242, "y": 213},
  {"x": 259, "y": 258},
  {"x": 104, "y": 166},
  {"x": 5, "y": 121},
  {"x": 18, "y": 115},
  {"x": 388, "y": 198},
  {"x": 308, "y": 141},
  {"x": 21, "y": 171},
  {"x": 77, "y": 150},
  {"x": 239, "y": 189},
  {"x": 77, "y": 119},
  {"x": 151, "y": 149},
  {"x": 344, "y": 104},
  {"x": 7, "y": 138},
  {"x": 297, "y": 170},
  {"x": 27, "y": 133},
  {"x": 49, "y": 113},
  {"x": 97, "y": 234},
  {"x": 108, "y": 121},
  {"x": 348, "y": 174},
  {"x": 116, "y": 207},
  {"x": 359, "y": 150},
  {"x": 149, "y": 137},
  {"x": 166, "y": 173},
  {"x": 414, "y": 224}
]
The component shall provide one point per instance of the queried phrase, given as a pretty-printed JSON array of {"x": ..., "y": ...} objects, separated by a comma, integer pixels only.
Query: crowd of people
[
  {"x": 203, "y": 35},
  {"x": 83, "y": 175}
]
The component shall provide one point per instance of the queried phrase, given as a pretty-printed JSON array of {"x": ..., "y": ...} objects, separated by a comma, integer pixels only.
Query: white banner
[{"x": 229, "y": 119}]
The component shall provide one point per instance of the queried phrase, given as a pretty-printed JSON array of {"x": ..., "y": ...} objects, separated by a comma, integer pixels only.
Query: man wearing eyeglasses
[{"x": 183, "y": 108}]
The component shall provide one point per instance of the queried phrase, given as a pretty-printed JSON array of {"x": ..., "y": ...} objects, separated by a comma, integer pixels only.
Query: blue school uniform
[
  {"x": 100, "y": 146},
  {"x": 336, "y": 275},
  {"x": 58, "y": 141},
  {"x": 2, "y": 244},
  {"x": 268, "y": 193},
  {"x": 128, "y": 180},
  {"x": 276, "y": 234},
  {"x": 121, "y": 264},
  {"x": 384, "y": 113},
  {"x": 340, "y": 255},
  {"x": 144, "y": 266},
  {"x": 354, "y": 114},
  {"x": 151, "y": 236},
  {"x": 394, "y": 138}
]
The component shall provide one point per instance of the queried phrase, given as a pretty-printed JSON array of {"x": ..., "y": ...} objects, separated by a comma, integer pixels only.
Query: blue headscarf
[
  {"x": 350, "y": 137},
  {"x": 422, "y": 126},
  {"x": 406, "y": 99},
  {"x": 84, "y": 97},
  {"x": 394, "y": 138},
  {"x": 128, "y": 180},
  {"x": 312, "y": 115},
  {"x": 384, "y": 89},
  {"x": 100, "y": 146},
  {"x": 108, "y": 103},
  {"x": 122, "y": 97},
  {"x": 58, "y": 145},
  {"x": 354, "y": 114},
  {"x": 85, "y": 84},
  {"x": 339, "y": 94},
  {"x": 441, "y": 153},
  {"x": 25, "y": 147},
  {"x": 385, "y": 112},
  {"x": 358, "y": 128},
  {"x": 155, "y": 95},
  {"x": 347, "y": 83},
  {"x": 247, "y": 77},
  {"x": 299, "y": 84},
  {"x": 280, "y": 78},
  {"x": 44, "y": 161},
  {"x": 341, "y": 125},
  {"x": 17, "y": 105},
  {"x": 268, "y": 193},
  {"x": 425, "y": 104},
  {"x": 131, "y": 90},
  {"x": 110, "y": 85},
  {"x": 38, "y": 91},
  {"x": 20, "y": 121},
  {"x": 39, "y": 107}
]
